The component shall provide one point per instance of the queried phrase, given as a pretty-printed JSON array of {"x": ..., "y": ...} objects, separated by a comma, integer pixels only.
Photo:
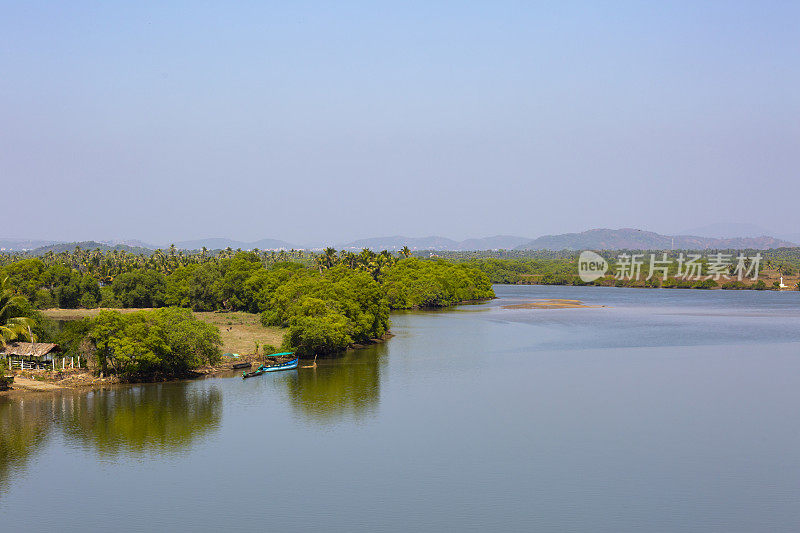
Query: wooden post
[{"x": 72, "y": 362}]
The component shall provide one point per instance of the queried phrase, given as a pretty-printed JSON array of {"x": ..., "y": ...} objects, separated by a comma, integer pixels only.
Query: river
[{"x": 665, "y": 410}]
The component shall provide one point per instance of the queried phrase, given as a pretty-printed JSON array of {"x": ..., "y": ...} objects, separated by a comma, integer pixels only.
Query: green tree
[
  {"x": 44, "y": 299},
  {"x": 140, "y": 288},
  {"x": 168, "y": 340},
  {"x": 14, "y": 324},
  {"x": 195, "y": 286}
]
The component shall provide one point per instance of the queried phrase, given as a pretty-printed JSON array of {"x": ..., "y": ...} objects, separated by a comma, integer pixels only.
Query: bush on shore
[
  {"x": 413, "y": 283},
  {"x": 167, "y": 341}
]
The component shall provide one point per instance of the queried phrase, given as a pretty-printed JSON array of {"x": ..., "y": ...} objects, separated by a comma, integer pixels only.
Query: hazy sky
[{"x": 167, "y": 121}]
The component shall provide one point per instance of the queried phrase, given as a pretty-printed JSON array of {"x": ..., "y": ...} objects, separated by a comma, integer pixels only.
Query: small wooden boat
[
  {"x": 257, "y": 372},
  {"x": 263, "y": 369},
  {"x": 241, "y": 365}
]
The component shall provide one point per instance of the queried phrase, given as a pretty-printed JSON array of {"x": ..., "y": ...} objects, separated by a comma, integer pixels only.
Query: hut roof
[{"x": 29, "y": 349}]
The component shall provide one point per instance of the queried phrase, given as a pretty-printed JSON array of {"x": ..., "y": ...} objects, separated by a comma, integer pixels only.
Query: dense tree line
[
  {"x": 326, "y": 311},
  {"x": 564, "y": 271},
  {"x": 326, "y": 303},
  {"x": 415, "y": 283},
  {"x": 106, "y": 265},
  {"x": 777, "y": 258}
]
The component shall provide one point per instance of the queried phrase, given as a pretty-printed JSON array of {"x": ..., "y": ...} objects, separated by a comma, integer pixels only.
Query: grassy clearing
[{"x": 239, "y": 331}]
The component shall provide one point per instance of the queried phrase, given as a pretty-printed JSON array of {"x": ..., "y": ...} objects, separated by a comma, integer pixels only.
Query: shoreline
[
  {"x": 40, "y": 382},
  {"x": 642, "y": 286}
]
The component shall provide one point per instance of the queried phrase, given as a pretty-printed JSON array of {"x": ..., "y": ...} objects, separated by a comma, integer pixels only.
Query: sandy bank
[{"x": 550, "y": 304}]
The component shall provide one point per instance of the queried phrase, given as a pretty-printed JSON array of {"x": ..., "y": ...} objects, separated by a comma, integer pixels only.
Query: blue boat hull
[{"x": 288, "y": 365}]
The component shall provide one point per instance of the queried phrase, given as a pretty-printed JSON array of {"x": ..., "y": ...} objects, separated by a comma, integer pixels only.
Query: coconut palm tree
[
  {"x": 12, "y": 326},
  {"x": 330, "y": 257}
]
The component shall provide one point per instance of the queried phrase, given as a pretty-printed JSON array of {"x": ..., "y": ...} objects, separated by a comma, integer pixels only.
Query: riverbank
[
  {"x": 767, "y": 282},
  {"x": 37, "y": 382},
  {"x": 42, "y": 381}
]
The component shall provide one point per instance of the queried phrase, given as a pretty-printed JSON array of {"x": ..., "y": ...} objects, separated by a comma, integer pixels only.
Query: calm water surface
[{"x": 663, "y": 411}]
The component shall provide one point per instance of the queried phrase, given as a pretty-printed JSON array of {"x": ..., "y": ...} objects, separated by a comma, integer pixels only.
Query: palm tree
[
  {"x": 365, "y": 257},
  {"x": 12, "y": 326},
  {"x": 329, "y": 258},
  {"x": 406, "y": 251},
  {"x": 348, "y": 258}
]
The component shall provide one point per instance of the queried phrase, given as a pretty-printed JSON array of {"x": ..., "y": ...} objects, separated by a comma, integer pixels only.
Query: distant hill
[
  {"x": 18, "y": 245},
  {"x": 791, "y": 237},
  {"x": 221, "y": 244},
  {"x": 133, "y": 243},
  {"x": 89, "y": 245},
  {"x": 729, "y": 230},
  {"x": 634, "y": 239},
  {"x": 757, "y": 243},
  {"x": 396, "y": 242},
  {"x": 594, "y": 239},
  {"x": 498, "y": 242}
]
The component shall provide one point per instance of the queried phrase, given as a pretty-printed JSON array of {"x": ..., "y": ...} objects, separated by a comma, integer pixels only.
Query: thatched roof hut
[{"x": 30, "y": 350}]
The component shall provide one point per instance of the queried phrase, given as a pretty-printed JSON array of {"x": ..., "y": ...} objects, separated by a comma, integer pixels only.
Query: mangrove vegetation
[{"x": 326, "y": 302}]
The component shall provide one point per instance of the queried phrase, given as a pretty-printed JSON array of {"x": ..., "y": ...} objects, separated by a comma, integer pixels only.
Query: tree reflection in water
[
  {"x": 169, "y": 417},
  {"x": 164, "y": 417},
  {"x": 24, "y": 426},
  {"x": 131, "y": 420},
  {"x": 339, "y": 387}
]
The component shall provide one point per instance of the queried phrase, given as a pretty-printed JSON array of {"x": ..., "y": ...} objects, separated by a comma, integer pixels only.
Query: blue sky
[{"x": 321, "y": 122}]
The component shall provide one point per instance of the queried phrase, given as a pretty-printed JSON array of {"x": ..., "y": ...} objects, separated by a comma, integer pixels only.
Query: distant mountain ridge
[
  {"x": 18, "y": 245},
  {"x": 634, "y": 239},
  {"x": 729, "y": 230},
  {"x": 594, "y": 239},
  {"x": 396, "y": 242},
  {"x": 222, "y": 243},
  {"x": 89, "y": 245}
]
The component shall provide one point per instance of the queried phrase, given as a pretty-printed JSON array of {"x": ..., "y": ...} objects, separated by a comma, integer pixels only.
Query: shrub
[
  {"x": 140, "y": 288},
  {"x": 310, "y": 335},
  {"x": 705, "y": 284},
  {"x": 44, "y": 299},
  {"x": 169, "y": 340},
  {"x": 195, "y": 286},
  {"x": 412, "y": 283},
  {"x": 88, "y": 301},
  {"x": 107, "y": 298},
  {"x": 268, "y": 349},
  {"x": 734, "y": 285}
]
